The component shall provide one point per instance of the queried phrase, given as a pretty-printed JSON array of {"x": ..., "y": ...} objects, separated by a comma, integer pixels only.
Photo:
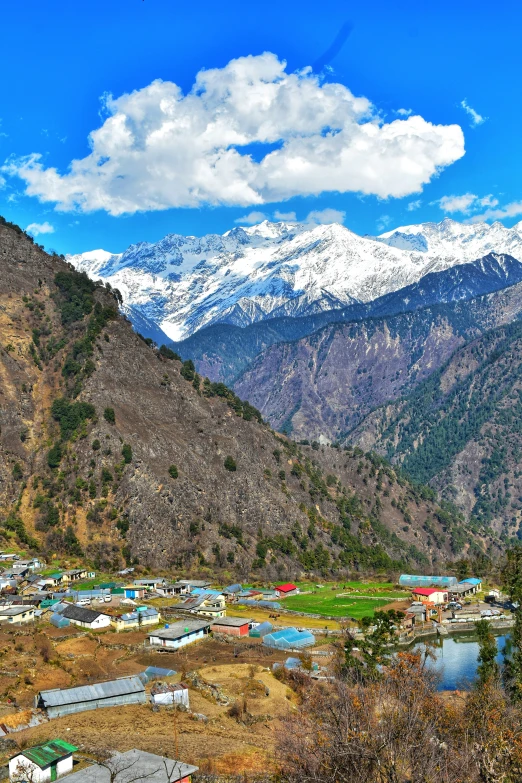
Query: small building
[
  {"x": 16, "y": 615},
  {"x": 430, "y": 594},
  {"x": 289, "y": 639},
  {"x": 142, "y": 768},
  {"x": 283, "y": 591},
  {"x": 135, "y": 592},
  {"x": 170, "y": 590},
  {"x": 233, "y": 626},
  {"x": 115, "y": 693},
  {"x": 86, "y": 618},
  {"x": 143, "y": 616},
  {"x": 474, "y": 582},
  {"x": 165, "y": 693},
  {"x": 461, "y": 590},
  {"x": 208, "y": 604},
  {"x": 194, "y": 583},
  {"x": 58, "y": 621},
  {"x": 178, "y": 635},
  {"x": 75, "y": 574},
  {"x": 150, "y": 583},
  {"x": 42, "y": 762}
]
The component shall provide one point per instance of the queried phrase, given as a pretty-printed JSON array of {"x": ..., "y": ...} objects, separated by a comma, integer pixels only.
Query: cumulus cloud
[
  {"x": 413, "y": 205},
  {"x": 40, "y": 228},
  {"x": 476, "y": 118},
  {"x": 251, "y": 218},
  {"x": 325, "y": 216},
  {"x": 159, "y": 148}
]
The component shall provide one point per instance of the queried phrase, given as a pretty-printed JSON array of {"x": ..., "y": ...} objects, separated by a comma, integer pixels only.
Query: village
[{"x": 194, "y": 672}]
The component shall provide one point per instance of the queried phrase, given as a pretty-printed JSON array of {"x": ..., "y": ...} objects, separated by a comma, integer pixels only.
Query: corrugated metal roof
[
  {"x": 81, "y": 614},
  {"x": 234, "y": 622},
  {"x": 100, "y": 690},
  {"x": 45, "y": 754},
  {"x": 137, "y": 766}
]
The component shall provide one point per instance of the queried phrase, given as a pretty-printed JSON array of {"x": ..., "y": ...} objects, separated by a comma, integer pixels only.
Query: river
[{"x": 456, "y": 658}]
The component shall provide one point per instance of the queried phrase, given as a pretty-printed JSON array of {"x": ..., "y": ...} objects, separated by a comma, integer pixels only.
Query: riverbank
[{"x": 450, "y": 629}]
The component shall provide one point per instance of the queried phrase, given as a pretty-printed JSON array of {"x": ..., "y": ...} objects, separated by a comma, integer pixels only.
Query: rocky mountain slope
[
  {"x": 117, "y": 451},
  {"x": 271, "y": 270},
  {"x": 320, "y": 387},
  {"x": 461, "y": 430},
  {"x": 224, "y": 352}
]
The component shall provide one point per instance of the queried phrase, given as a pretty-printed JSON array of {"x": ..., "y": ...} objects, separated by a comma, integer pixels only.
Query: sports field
[{"x": 346, "y": 599}]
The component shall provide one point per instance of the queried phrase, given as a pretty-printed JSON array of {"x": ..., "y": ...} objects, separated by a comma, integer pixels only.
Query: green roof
[{"x": 45, "y": 754}]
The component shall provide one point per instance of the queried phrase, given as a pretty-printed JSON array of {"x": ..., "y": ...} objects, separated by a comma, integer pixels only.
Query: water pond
[{"x": 456, "y": 658}]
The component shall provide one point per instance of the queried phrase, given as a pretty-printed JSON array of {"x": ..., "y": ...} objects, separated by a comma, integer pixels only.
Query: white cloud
[
  {"x": 465, "y": 204},
  {"x": 511, "y": 210},
  {"x": 286, "y": 217},
  {"x": 383, "y": 222},
  {"x": 159, "y": 148},
  {"x": 251, "y": 218},
  {"x": 404, "y": 112},
  {"x": 325, "y": 216},
  {"x": 2, "y": 182},
  {"x": 40, "y": 228},
  {"x": 476, "y": 118},
  {"x": 413, "y": 205}
]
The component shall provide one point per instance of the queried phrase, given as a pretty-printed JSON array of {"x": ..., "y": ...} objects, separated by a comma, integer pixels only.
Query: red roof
[
  {"x": 428, "y": 590},
  {"x": 286, "y": 588}
]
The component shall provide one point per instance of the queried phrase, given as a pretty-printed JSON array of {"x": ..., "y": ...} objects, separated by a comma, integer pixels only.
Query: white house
[
  {"x": 179, "y": 634},
  {"x": 42, "y": 762},
  {"x": 16, "y": 614},
  {"x": 86, "y": 618}
]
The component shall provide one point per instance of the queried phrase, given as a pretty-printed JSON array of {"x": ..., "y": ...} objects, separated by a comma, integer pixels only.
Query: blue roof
[
  {"x": 289, "y": 638},
  {"x": 471, "y": 581},
  {"x": 233, "y": 589}
]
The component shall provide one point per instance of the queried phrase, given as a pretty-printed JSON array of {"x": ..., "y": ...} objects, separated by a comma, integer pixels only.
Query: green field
[{"x": 341, "y": 600}]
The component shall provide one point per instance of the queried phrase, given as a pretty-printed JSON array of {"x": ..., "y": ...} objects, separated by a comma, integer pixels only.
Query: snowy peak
[{"x": 248, "y": 274}]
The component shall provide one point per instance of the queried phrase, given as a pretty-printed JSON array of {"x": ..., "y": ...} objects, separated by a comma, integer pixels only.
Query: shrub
[
  {"x": 96, "y": 445},
  {"x": 230, "y": 463},
  {"x": 173, "y": 472},
  {"x": 54, "y": 457},
  {"x": 106, "y": 476},
  {"x": 18, "y": 473},
  {"x": 109, "y": 415},
  {"x": 126, "y": 453}
]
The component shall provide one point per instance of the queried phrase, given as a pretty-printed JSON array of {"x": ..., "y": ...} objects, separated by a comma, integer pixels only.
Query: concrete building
[
  {"x": 138, "y": 619},
  {"x": 283, "y": 591},
  {"x": 233, "y": 626},
  {"x": 474, "y": 583},
  {"x": 180, "y": 634},
  {"x": 42, "y": 762},
  {"x": 209, "y": 604},
  {"x": 115, "y": 693},
  {"x": 16, "y": 615},
  {"x": 137, "y": 766},
  {"x": 164, "y": 693},
  {"x": 430, "y": 595}
]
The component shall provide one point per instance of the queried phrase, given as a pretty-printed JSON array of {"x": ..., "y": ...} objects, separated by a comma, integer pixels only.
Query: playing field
[{"x": 349, "y": 599}]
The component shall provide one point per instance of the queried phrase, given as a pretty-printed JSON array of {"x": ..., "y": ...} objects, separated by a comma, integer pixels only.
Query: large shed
[
  {"x": 136, "y": 766},
  {"x": 114, "y": 693},
  {"x": 233, "y": 626}
]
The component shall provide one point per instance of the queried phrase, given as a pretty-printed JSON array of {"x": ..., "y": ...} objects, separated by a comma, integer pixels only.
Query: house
[
  {"x": 16, "y": 614},
  {"x": 232, "y": 591},
  {"x": 114, "y": 693},
  {"x": 75, "y": 575},
  {"x": 142, "y": 617},
  {"x": 42, "y": 762},
  {"x": 208, "y": 604},
  {"x": 151, "y": 584},
  {"x": 170, "y": 590},
  {"x": 85, "y": 618},
  {"x": 178, "y": 635},
  {"x": 139, "y": 767},
  {"x": 33, "y": 564},
  {"x": 194, "y": 583},
  {"x": 233, "y": 626},
  {"x": 419, "y": 611},
  {"x": 283, "y": 591},
  {"x": 462, "y": 590},
  {"x": 476, "y": 584},
  {"x": 430, "y": 594}
]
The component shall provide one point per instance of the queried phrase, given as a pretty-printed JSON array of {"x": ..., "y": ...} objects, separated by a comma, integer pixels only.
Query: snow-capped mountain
[{"x": 181, "y": 284}]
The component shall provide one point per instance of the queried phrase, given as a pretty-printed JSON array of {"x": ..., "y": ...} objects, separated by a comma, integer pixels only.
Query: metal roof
[
  {"x": 178, "y": 630},
  {"x": 149, "y": 767},
  {"x": 13, "y": 611},
  {"x": 81, "y": 614},
  {"x": 471, "y": 581},
  {"x": 100, "y": 690},
  {"x": 45, "y": 754},
  {"x": 234, "y": 622}
]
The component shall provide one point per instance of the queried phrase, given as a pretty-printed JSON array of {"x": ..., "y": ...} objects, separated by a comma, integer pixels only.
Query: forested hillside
[{"x": 461, "y": 431}]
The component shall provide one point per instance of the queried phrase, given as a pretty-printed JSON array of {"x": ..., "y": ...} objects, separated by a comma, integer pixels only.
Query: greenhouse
[
  {"x": 409, "y": 580},
  {"x": 266, "y": 604},
  {"x": 289, "y": 639},
  {"x": 261, "y": 630},
  {"x": 58, "y": 621}
]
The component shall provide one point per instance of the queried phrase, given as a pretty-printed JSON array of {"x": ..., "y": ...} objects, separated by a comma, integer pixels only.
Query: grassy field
[{"x": 349, "y": 599}]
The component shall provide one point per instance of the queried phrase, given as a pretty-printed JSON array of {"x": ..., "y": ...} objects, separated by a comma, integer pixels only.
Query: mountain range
[{"x": 181, "y": 284}]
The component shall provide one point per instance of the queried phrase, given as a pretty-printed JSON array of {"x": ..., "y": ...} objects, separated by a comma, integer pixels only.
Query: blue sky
[{"x": 426, "y": 58}]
